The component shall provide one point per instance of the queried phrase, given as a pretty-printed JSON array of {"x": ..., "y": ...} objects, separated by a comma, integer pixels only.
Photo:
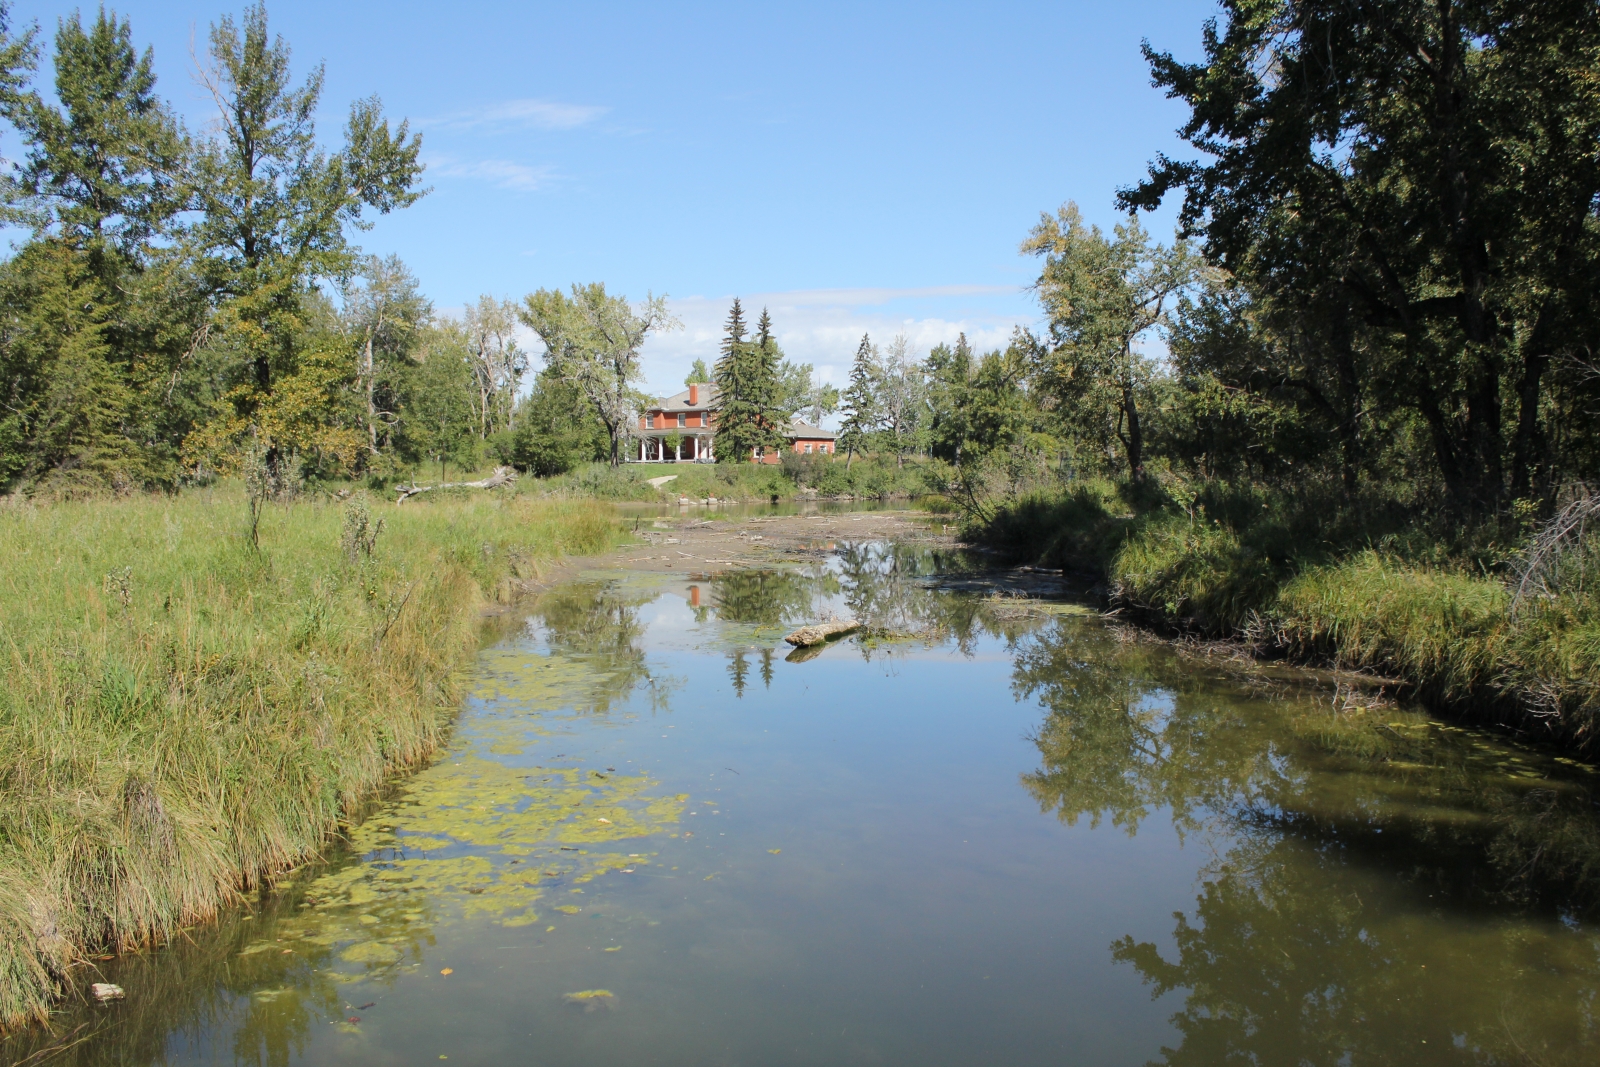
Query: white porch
[{"x": 654, "y": 447}]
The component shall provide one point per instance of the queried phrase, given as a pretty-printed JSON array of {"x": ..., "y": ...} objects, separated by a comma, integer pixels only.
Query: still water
[{"x": 990, "y": 831}]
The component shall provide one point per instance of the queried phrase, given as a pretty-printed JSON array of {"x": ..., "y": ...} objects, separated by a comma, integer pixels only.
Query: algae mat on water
[{"x": 478, "y": 836}]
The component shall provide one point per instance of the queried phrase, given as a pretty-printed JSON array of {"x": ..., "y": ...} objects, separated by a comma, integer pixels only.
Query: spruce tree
[
  {"x": 860, "y": 403},
  {"x": 108, "y": 165},
  {"x": 101, "y": 180},
  {"x": 765, "y": 357},
  {"x": 747, "y": 390}
]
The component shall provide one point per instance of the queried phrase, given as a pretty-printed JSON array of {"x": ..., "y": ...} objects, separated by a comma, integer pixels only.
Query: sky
[{"x": 855, "y": 168}]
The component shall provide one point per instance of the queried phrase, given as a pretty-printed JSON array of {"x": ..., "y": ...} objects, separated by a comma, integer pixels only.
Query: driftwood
[
  {"x": 1557, "y": 557},
  {"x": 501, "y": 476},
  {"x": 820, "y": 632}
]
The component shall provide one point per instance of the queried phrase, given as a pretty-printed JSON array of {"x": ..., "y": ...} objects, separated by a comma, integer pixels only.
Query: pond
[{"x": 990, "y": 829}]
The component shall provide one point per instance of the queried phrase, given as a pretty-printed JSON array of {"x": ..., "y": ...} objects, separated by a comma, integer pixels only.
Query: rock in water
[
  {"x": 818, "y": 632},
  {"x": 106, "y": 991},
  {"x": 592, "y": 999}
]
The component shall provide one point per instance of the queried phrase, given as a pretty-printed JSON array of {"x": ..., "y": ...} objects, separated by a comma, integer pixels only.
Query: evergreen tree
[
  {"x": 103, "y": 176},
  {"x": 67, "y": 415},
  {"x": 765, "y": 360},
  {"x": 107, "y": 168},
  {"x": 860, "y": 402},
  {"x": 746, "y": 377}
]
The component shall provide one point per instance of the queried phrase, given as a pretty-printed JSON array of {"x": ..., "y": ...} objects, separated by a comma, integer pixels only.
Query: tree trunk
[
  {"x": 1134, "y": 441},
  {"x": 372, "y": 408}
]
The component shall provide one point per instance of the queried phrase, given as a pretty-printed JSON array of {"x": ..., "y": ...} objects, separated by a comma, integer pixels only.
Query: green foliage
[
  {"x": 746, "y": 374},
  {"x": 71, "y": 419},
  {"x": 439, "y": 420},
  {"x": 274, "y": 211},
  {"x": 166, "y": 317},
  {"x": 1103, "y": 298},
  {"x": 899, "y": 385},
  {"x": 799, "y": 395},
  {"x": 107, "y": 167},
  {"x": 1408, "y": 194},
  {"x": 385, "y": 316},
  {"x": 556, "y": 430},
  {"x": 592, "y": 341},
  {"x": 859, "y": 403}
]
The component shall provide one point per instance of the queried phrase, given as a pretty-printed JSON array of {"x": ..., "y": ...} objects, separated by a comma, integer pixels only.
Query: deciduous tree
[
  {"x": 1104, "y": 298},
  {"x": 592, "y": 340},
  {"x": 1433, "y": 164},
  {"x": 274, "y": 207}
]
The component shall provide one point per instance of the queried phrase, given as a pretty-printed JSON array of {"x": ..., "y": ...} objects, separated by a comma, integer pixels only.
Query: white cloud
[
  {"x": 532, "y": 114},
  {"x": 871, "y": 297},
  {"x": 500, "y": 172},
  {"x": 823, "y": 327}
]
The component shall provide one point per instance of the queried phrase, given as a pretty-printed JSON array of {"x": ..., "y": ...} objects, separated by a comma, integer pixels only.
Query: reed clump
[
  {"x": 1311, "y": 584},
  {"x": 185, "y": 716}
]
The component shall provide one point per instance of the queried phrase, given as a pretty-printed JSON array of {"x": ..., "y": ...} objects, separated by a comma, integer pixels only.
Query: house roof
[
  {"x": 805, "y": 430},
  {"x": 709, "y": 394}
]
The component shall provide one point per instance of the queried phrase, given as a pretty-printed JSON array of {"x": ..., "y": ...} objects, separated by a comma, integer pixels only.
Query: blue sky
[{"x": 855, "y": 167}]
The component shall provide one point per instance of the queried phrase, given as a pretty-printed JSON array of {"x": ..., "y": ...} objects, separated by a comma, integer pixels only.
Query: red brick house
[{"x": 691, "y": 416}]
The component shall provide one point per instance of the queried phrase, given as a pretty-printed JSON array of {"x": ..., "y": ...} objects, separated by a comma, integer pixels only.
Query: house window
[
  {"x": 808, "y": 450},
  {"x": 680, "y": 418}
]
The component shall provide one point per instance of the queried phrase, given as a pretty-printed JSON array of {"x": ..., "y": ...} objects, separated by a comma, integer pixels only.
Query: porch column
[{"x": 677, "y": 451}]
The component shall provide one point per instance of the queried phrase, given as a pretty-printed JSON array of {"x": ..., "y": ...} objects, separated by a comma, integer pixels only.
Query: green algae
[{"x": 480, "y": 837}]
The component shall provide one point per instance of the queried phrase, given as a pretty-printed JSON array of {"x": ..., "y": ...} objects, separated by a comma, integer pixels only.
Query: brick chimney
[{"x": 694, "y": 393}]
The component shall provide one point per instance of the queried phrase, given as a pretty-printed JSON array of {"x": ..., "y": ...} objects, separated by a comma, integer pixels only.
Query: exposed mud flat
[{"x": 702, "y": 541}]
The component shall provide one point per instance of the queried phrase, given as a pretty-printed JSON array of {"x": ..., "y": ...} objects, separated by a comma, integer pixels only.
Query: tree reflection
[
  {"x": 1296, "y": 956},
  {"x": 1386, "y": 889},
  {"x": 766, "y": 597},
  {"x": 1119, "y": 744},
  {"x": 598, "y": 623},
  {"x": 196, "y": 986}
]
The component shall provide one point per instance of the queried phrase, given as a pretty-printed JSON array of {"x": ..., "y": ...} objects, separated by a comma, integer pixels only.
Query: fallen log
[
  {"x": 820, "y": 632},
  {"x": 501, "y": 476}
]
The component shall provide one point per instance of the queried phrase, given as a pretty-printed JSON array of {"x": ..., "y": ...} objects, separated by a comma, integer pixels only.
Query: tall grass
[
  {"x": 1360, "y": 591},
  {"x": 184, "y": 717}
]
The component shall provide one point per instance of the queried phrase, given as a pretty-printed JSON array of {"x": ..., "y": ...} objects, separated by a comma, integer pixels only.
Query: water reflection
[
  {"x": 595, "y": 628},
  {"x": 1385, "y": 889},
  {"x": 1369, "y": 886}
]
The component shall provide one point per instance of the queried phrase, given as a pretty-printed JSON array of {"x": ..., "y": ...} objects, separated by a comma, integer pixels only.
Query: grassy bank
[
  {"x": 184, "y": 717},
  {"x": 867, "y": 476},
  {"x": 1357, "y": 590}
]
